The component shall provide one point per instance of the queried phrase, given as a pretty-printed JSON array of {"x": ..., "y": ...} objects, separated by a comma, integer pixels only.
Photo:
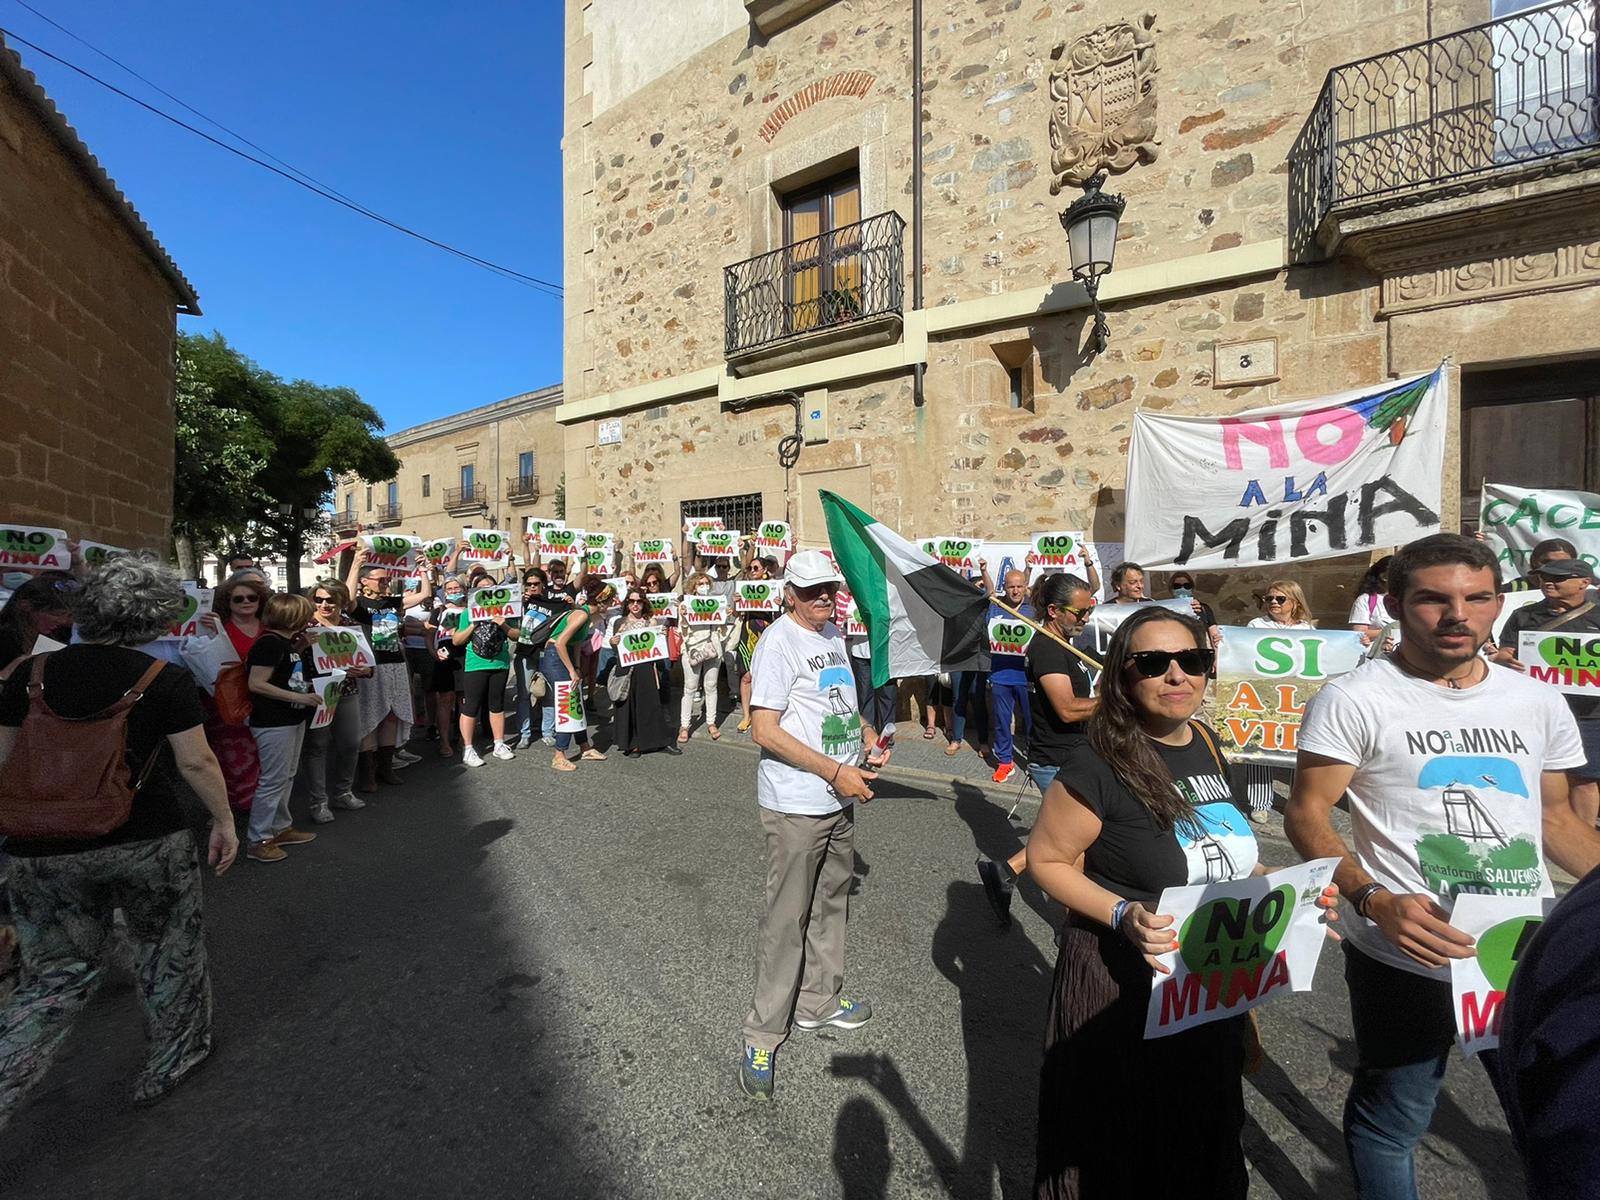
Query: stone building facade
[
  {"x": 88, "y": 304},
  {"x": 489, "y": 467},
  {"x": 1358, "y": 189}
]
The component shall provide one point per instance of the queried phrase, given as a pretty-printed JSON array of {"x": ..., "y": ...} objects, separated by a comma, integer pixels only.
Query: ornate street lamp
[{"x": 1091, "y": 225}]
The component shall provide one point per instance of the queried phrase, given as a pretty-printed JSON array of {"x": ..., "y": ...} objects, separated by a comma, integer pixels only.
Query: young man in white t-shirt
[
  {"x": 1455, "y": 773},
  {"x": 813, "y": 744}
]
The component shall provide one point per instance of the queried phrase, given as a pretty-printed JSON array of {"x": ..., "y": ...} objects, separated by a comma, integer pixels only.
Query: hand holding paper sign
[{"x": 1419, "y": 927}]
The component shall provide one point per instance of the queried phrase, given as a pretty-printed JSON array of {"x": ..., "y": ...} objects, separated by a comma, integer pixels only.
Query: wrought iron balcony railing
[
  {"x": 388, "y": 513},
  {"x": 467, "y": 497},
  {"x": 345, "y": 520},
  {"x": 524, "y": 488},
  {"x": 848, "y": 274},
  {"x": 1522, "y": 92}
]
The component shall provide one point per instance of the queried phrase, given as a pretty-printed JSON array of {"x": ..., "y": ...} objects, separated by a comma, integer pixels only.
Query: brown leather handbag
[{"x": 68, "y": 777}]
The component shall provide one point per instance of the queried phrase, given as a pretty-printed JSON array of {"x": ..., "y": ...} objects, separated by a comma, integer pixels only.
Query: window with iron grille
[
  {"x": 427, "y": 486},
  {"x": 737, "y": 512}
]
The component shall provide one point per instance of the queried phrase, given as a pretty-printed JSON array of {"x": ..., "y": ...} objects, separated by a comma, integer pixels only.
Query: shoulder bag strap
[
  {"x": 1572, "y": 614},
  {"x": 1211, "y": 745}
]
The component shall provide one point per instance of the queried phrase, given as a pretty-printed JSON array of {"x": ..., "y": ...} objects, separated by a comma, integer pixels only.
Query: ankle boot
[
  {"x": 386, "y": 771},
  {"x": 366, "y": 771}
]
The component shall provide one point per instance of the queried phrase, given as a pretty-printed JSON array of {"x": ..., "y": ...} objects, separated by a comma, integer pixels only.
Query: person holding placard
[
  {"x": 486, "y": 669},
  {"x": 280, "y": 670},
  {"x": 1453, "y": 771},
  {"x": 1008, "y": 678},
  {"x": 39, "y": 608},
  {"x": 385, "y": 699},
  {"x": 703, "y": 648},
  {"x": 237, "y": 604},
  {"x": 970, "y": 690},
  {"x": 558, "y": 665},
  {"x": 327, "y": 771},
  {"x": 749, "y": 630},
  {"x": 1182, "y": 584},
  {"x": 1144, "y": 799},
  {"x": 535, "y": 716},
  {"x": 640, "y": 724},
  {"x": 449, "y": 664}
]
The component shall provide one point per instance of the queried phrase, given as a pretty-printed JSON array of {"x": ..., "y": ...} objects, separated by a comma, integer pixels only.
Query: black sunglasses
[
  {"x": 324, "y": 600},
  {"x": 1150, "y": 663}
]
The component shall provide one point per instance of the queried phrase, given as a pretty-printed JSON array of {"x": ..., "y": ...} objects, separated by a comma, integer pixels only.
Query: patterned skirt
[{"x": 387, "y": 691}]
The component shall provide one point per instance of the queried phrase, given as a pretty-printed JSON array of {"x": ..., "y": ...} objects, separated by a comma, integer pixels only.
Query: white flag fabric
[
  {"x": 1310, "y": 479},
  {"x": 1516, "y": 519}
]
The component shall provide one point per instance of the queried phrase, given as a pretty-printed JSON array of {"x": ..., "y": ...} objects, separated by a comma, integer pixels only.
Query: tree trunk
[
  {"x": 183, "y": 545},
  {"x": 294, "y": 544}
]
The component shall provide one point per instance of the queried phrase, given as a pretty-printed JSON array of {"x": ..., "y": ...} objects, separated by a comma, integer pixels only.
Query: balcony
[
  {"x": 522, "y": 489},
  {"x": 388, "y": 514},
  {"x": 1493, "y": 124},
  {"x": 834, "y": 294},
  {"x": 464, "y": 499},
  {"x": 346, "y": 521}
]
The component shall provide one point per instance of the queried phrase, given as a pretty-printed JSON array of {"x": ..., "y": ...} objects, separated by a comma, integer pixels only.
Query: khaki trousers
[{"x": 800, "y": 969}]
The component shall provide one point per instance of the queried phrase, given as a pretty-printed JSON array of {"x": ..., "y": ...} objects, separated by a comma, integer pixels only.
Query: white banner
[
  {"x": 340, "y": 648},
  {"x": 1569, "y": 661},
  {"x": 330, "y": 690},
  {"x": 1311, "y": 479},
  {"x": 1502, "y": 926},
  {"x": 1515, "y": 519},
  {"x": 485, "y": 604},
  {"x": 1240, "y": 944},
  {"x": 1105, "y": 619}
]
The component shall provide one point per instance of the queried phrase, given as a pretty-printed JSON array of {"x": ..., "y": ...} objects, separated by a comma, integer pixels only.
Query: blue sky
[{"x": 446, "y": 118}]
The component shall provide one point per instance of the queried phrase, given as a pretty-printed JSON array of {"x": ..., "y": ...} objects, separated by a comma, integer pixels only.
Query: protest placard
[
  {"x": 960, "y": 553},
  {"x": 31, "y": 548},
  {"x": 561, "y": 543},
  {"x": 330, "y": 691},
  {"x": 594, "y": 541},
  {"x": 197, "y": 601},
  {"x": 718, "y": 543},
  {"x": 1007, "y": 635},
  {"x": 338, "y": 648},
  {"x": 704, "y": 612},
  {"x": 652, "y": 550},
  {"x": 45, "y": 645},
  {"x": 97, "y": 554},
  {"x": 641, "y": 646},
  {"x": 1564, "y": 660},
  {"x": 1240, "y": 944},
  {"x": 438, "y": 550},
  {"x": 570, "y": 716},
  {"x": 207, "y": 658},
  {"x": 774, "y": 538},
  {"x": 1264, "y": 679},
  {"x": 1103, "y": 620},
  {"x": 1502, "y": 927},
  {"x": 396, "y": 551},
  {"x": 1058, "y": 551},
  {"x": 1309, "y": 479},
  {"x": 619, "y": 587},
  {"x": 847, "y": 614},
  {"x": 485, "y": 604},
  {"x": 599, "y": 559},
  {"x": 1514, "y": 520},
  {"x": 758, "y": 596},
  {"x": 698, "y": 525},
  {"x": 486, "y": 548},
  {"x": 662, "y": 604}
]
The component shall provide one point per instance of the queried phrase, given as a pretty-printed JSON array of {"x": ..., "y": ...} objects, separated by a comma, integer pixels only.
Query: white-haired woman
[{"x": 63, "y": 891}]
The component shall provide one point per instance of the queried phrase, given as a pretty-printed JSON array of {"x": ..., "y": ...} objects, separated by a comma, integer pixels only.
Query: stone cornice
[{"x": 500, "y": 410}]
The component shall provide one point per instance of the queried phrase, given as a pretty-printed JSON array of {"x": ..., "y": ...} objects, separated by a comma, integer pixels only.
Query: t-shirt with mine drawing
[
  {"x": 805, "y": 675},
  {"x": 1446, "y": 794}
]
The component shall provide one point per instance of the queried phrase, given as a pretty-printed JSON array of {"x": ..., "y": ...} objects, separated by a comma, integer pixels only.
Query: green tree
[
  {"x": 218, "y": 456},
  {"x": 303, "y": 434}
]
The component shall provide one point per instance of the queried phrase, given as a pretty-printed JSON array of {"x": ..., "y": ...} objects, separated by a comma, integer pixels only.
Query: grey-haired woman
[{"x": 63, "y": 892}]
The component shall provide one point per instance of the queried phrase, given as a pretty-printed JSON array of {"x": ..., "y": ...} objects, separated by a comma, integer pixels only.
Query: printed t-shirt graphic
[
  {"x": 1218, "y": 844},
  {"x": 806, "y": 677},
  {"x": 1445, "y": 798}
]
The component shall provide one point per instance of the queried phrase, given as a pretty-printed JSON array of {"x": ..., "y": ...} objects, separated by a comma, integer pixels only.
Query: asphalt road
[{"x": 509, "y": 982}]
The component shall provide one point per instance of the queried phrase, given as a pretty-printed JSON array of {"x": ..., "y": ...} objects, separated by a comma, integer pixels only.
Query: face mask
[
  {"x": 702, "y": 589},
  {"x": 452, "y": 598}
]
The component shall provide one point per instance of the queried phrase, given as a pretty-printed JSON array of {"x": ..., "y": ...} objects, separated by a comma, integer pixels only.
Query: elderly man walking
[{"x": 804, "y": 718}]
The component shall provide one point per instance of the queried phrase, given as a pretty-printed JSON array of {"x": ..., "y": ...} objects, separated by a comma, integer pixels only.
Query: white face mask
[
  {"x": 455, "y": 601},
  {"x": 702, "y": 589}
]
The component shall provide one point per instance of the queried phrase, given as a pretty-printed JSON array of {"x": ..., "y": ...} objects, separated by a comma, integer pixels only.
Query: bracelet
[
  {"x": 1362, "y": 898},
  {"x": 1120, "y": 907},
  {"x": 836, "y": 771}
]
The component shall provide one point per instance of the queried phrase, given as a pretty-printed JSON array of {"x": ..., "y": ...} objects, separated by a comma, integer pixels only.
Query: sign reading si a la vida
[
  {"x": 755, "y": 596},
  {"x": 339, "y": 649},
  {"x": 704, "y": 611},
  {"x": 1502, "y": 927},
  {"x": 1240, "y": 944},
  {"x": 1264, "y": 679},
  {"x": 1565, "y": 660},
  {"x": 485, "y": 604},
  {"x": 641, "y": 646},
  {"x": 1007, "y": 635},
  {"x": 652, "y": 550},
  {"x": 1516, "y": 519},
  {"x": 1311, "y": 479},
  {"x": 27, "y": 547},
  {"x": 960, "y": 553}
]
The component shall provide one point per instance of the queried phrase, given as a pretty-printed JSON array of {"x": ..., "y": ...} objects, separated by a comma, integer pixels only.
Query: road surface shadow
[
  {"x": 374, "y": 1030},
  {"x": 995, "y": 836},
  {"x": 861, "y": 1156}
]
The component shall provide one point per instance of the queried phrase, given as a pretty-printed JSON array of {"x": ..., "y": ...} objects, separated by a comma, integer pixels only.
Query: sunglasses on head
[{"x": 1151, "y": 663}]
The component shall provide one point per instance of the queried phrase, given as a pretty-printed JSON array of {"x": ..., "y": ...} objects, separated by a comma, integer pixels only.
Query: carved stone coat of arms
[{"x": 1103, "y": 92}]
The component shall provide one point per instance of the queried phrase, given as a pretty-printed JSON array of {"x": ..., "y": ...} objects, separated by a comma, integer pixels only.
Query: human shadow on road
[
  {"x": 1268, "y": 1158},
  {"x": 861, "y": 1156},
  {"x": 995, "y": 837},
  {"x": 1002, "y": 983},
  {"x": 376, "y": 1025}
]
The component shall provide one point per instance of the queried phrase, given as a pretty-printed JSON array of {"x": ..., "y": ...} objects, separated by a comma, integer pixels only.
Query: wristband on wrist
[
  {"x": 836, "y": 771},
  {"x": 1117, "y": 911},
  {"x": 1362, "y": 898}
]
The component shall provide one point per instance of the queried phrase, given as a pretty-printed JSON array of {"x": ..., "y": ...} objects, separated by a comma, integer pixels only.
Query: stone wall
[{"x": 86, "y": 351}]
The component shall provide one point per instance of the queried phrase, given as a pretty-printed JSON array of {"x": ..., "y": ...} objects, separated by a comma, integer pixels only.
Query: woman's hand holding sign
[{"x": 1151, "y": 934}]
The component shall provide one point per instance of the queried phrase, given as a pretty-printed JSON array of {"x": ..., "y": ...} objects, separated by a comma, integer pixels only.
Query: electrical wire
[{"x": 530, "y": 281}]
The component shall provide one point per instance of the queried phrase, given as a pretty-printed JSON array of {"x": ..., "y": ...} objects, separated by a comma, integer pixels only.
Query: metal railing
[
  {"x": 468, "y": 497},
  {"x": 388, "y": 512},
  {"x": 346, "y": 519},
  {"x": 847, "y": 274},
  {"x": 1451, "y": 112},
  {"x": 522, "y": 487}
]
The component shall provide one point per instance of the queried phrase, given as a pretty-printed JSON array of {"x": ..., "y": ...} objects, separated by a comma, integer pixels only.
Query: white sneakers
[
  {"x": 469, "y": 758},
  {"x": 502, "y": 751}
]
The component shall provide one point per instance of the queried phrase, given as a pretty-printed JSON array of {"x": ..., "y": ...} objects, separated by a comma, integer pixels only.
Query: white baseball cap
[{"x": 809, "y": 568}]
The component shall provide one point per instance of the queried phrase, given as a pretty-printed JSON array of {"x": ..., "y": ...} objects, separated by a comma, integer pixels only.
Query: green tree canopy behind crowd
[{"x": 256, "y": 453}]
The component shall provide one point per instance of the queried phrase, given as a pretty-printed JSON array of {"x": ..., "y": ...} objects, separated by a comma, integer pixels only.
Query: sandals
[
  {"x": 591, "y": 756},
  {"x": 953, "y": 748},
  {"x": 927, "y": 735},
  {"x": 562, "y": 763},
  {"x": 744, "y": 725},
  {"x": 715, "y": 733},
  {"x": 683, "y": 736}
]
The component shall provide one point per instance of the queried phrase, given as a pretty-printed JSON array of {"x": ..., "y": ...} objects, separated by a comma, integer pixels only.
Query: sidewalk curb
[{"x": 1002, "y": 794}]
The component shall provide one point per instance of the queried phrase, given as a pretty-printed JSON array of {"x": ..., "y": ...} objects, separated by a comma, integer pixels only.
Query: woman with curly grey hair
[{"x": 63, "y": 891}]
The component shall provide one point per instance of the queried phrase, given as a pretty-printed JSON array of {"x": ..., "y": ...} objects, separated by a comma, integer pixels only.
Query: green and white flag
[{"x": 921, "y": 616}]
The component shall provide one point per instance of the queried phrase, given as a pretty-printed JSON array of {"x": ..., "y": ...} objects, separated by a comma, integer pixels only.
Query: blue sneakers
[
  {"x": 755, "y": 1072},
  {"x": 851, "y": 1014}
]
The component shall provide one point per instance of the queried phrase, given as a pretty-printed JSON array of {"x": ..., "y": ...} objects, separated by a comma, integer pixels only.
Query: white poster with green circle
[{"x": 1502, "y": 926}]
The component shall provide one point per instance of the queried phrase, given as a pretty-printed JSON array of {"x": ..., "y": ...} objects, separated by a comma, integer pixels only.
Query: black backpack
[{"x": 488, "y": 639}]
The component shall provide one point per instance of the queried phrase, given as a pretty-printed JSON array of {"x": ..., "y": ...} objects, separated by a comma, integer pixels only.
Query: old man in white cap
[{"x": 814, "y": 749}]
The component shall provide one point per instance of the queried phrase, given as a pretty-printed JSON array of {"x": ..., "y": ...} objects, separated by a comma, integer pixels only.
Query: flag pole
[{"x": 1058, "y": 640}]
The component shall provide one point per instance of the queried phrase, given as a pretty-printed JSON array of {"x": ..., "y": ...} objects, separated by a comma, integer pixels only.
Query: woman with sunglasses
[
  {"x": 237, "y": 604},
  {"x": 640, "y": 724},
  {"x": 328, "y": 757},
  {"x": 39, "y": 608},
  {"x": 1286, "y": 608},
  {"x": 560, "y": 666},
  {"x": 1144, "y": 801},
  {"x": 703, "y": 649},
  {"x": 751, "y": 627}
]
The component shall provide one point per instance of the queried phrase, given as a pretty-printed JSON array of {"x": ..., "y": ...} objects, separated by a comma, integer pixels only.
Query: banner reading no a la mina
[{"x": 1311, "y": 479}]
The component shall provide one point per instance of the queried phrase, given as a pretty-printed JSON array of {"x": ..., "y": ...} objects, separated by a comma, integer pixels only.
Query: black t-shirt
[
  {"x": 1052, "y": 737},
  {"x": 1527, "y": 619},
  {"x": 538, "y": 619},
  {"x": 382, "y": 618},
  {"x": 1133, "y": 856},
  {"x": 273, "y": 650},
  {"x": 82, "y": 680}
]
